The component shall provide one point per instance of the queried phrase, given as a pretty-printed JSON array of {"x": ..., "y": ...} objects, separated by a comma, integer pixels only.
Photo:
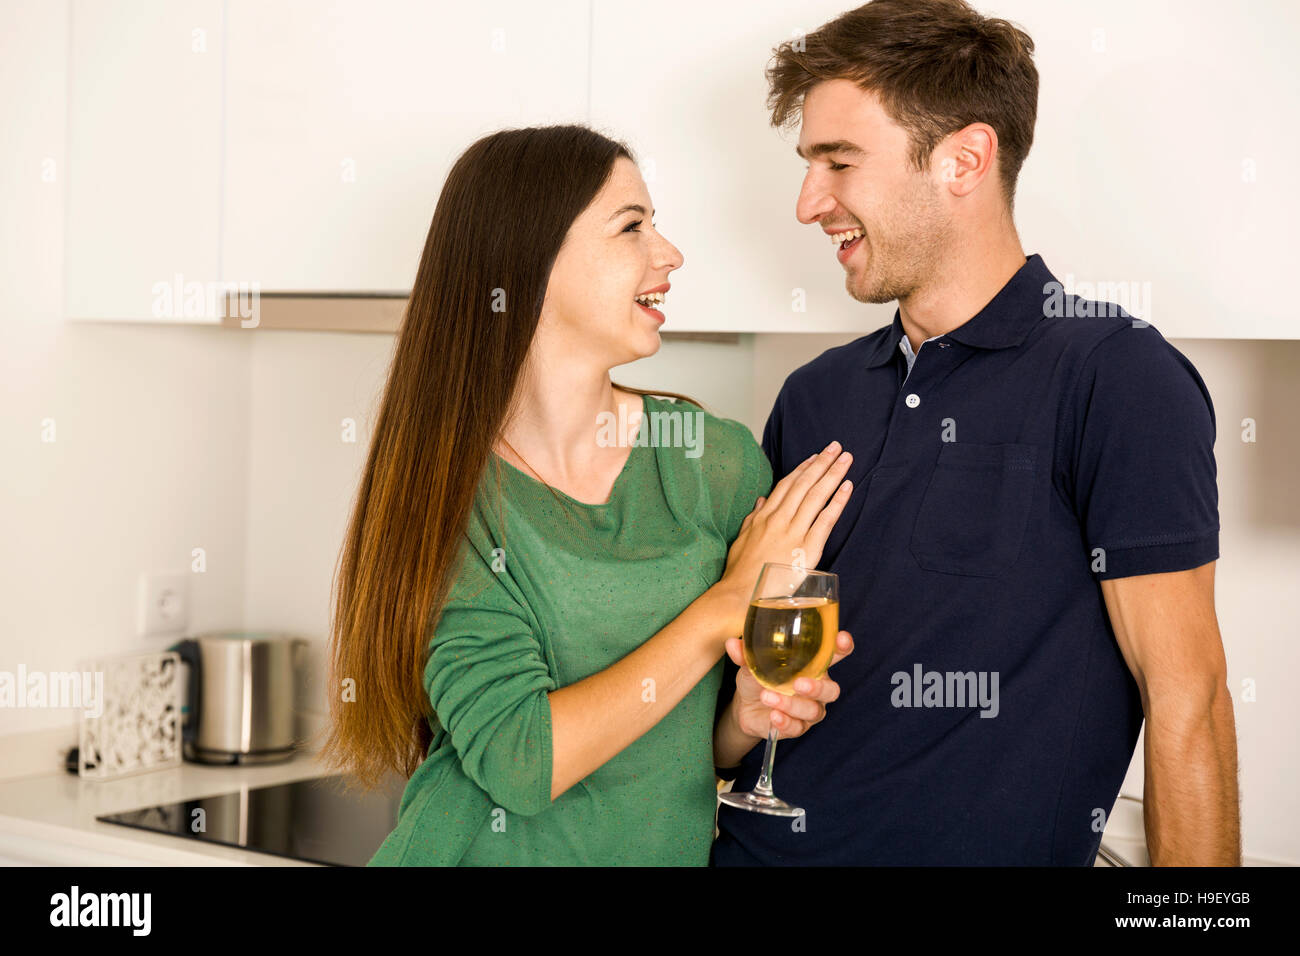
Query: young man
[{"x": 1027, "y": 562}]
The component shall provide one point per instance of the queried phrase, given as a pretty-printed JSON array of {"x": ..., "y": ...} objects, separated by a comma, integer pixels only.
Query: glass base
[{"x": 760, "y": 803}]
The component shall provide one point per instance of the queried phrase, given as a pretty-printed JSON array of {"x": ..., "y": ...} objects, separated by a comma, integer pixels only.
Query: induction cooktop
[{"x": 313, "y": 820}]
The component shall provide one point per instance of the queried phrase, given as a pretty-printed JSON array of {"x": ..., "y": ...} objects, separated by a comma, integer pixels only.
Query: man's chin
[{"x": 872, "y": 295}]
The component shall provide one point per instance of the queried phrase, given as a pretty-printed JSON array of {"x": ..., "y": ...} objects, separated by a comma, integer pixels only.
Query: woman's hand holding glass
[
  {"x": 789, "y": 526},
  {"x": 758, "y": 709}
]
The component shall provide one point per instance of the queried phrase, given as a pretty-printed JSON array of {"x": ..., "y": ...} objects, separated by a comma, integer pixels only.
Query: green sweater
[{"x": 573, "y": 589}]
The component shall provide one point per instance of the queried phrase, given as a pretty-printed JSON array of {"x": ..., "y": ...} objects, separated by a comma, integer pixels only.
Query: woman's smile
[{"x": 650, "y": 298}]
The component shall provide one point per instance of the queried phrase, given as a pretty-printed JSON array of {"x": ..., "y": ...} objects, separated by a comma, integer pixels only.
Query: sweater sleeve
[{"x": 487, "y": 679}]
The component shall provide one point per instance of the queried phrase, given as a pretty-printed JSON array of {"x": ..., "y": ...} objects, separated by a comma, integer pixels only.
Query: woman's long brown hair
[{"x": 503, "y": 214}]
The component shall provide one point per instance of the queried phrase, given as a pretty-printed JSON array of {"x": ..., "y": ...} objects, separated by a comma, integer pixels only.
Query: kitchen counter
[{"x": 49, "y": 820}]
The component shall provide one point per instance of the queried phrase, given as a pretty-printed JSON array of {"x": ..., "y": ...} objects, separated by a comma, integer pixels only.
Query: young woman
[{"x": 577, "y": 575}]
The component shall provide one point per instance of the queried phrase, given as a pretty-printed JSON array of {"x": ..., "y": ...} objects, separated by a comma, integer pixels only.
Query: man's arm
[{"x": 1169, "y": 635}]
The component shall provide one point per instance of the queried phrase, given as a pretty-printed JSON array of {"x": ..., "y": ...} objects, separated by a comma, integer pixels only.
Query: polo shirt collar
[{"x": 1006, "y": 321}]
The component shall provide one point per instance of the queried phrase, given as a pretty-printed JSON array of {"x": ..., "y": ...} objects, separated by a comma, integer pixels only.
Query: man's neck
[{"x": 964, "y": 287}]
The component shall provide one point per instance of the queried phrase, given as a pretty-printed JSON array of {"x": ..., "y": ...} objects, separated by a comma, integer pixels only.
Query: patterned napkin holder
[{"x": 139, "y": 728}]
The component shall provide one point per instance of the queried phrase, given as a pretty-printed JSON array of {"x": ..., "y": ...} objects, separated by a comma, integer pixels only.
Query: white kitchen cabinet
[
  {"x": 144, "y": 159},
  {"x": 301, "y": 146},
  {"x": 685, "y": 88},
  {"x": 1158, "y": 176},
  {"x": 344, "y": 118},
  {"x": 33, "y": 64},
  {"x": 1161, "y": 158}
]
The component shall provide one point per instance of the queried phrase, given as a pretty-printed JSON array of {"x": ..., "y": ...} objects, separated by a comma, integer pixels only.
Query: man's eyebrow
[
  {"x": 630, "y": 207},
  {"x": 838, "y": 146}
]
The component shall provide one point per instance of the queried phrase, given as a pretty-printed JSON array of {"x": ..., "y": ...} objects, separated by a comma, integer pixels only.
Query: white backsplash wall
[
  {"x": 1257, "y": 577},
  {"x": 149, "y": 462}
]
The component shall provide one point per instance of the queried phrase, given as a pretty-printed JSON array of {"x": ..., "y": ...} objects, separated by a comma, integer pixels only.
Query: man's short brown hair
[{"x": 936, "y": 65}]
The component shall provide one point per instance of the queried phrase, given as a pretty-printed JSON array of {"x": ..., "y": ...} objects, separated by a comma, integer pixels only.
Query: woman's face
[{"x": 609, "y": 256}]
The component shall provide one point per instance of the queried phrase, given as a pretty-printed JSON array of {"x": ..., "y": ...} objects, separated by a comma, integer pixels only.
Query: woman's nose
[{"x": 669, "y": 256}]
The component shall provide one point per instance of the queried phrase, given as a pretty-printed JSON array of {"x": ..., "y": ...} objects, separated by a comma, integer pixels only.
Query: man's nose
[{"x": 814, "y": 201}]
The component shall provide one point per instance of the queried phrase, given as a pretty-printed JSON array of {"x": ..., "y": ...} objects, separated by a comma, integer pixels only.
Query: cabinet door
[
  {"x": 144, "y": 160},
  {"x": 1159, "y": 176},
  {"x": 683, "y": 83},
  {"x": 32, "y": 175},
  {"x": 344, "y": 118}
]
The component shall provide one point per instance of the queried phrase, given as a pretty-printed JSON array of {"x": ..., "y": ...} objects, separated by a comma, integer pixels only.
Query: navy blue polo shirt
[{"x": 986, "y": 715}]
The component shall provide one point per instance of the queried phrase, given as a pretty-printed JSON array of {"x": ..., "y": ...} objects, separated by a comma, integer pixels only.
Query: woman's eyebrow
[{"x": 630, "y": 207}]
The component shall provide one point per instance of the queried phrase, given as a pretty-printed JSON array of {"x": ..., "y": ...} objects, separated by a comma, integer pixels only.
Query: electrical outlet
[{"x": 164, "y": 609}]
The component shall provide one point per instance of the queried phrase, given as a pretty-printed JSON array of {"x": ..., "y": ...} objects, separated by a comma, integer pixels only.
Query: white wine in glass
[{"x": 790, "y": 631}]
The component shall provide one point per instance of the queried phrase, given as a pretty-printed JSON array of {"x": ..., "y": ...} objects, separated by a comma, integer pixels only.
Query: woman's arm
[
  {"x": 601, "y": 715},
  {"x": 730, "y": 743},
  {"x": 598, "y": 717}
]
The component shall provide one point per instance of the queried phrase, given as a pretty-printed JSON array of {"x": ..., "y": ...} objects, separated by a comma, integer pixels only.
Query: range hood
[{"x": 362, "y": 312}]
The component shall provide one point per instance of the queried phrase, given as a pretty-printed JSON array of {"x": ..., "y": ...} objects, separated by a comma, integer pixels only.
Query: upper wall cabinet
[
  {"x": 343, "y": 119},
  {"x": 1160, "y": 172},
  {"x": 1158, "y": 176},
  {"x": 685, "y": 88},
  {"x": 144, "y": 159},
  {"x": 300, "y": 146}
]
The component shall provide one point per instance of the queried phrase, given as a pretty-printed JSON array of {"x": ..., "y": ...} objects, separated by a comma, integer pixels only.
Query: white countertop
[{"x": 50, "y": 819}]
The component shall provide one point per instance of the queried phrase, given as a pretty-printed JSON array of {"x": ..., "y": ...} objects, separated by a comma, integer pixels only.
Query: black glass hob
[{"x": 314, "y": 820}]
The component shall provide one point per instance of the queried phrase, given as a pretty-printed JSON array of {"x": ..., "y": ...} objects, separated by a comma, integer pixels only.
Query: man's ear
[{"x": 965, "y": 158}]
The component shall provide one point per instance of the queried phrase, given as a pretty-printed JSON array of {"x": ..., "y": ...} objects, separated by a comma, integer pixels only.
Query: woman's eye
[{"x": 632, "y": 226}]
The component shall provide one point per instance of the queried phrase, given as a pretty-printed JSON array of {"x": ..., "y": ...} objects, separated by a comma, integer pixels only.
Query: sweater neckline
[{"x": 618, "y": 481}]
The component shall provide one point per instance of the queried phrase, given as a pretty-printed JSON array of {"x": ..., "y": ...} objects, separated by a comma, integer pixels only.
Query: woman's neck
[{"x": 558, "y": 420}]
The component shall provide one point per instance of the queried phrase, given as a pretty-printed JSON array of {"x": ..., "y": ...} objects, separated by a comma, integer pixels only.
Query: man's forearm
[
  {"x": 1192, "y": 814},
  {"x": 730, "y": 743}
]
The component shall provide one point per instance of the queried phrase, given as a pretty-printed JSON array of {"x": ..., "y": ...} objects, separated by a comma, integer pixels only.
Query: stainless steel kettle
[{"x": 241, "y": 696}]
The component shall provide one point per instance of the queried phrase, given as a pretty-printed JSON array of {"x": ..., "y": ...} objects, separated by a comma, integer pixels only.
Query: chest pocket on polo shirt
[{"x": 973, "y": 515}]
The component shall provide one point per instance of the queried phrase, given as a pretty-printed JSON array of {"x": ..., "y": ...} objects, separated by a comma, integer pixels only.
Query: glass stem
[{"x": 764, "y": 785}]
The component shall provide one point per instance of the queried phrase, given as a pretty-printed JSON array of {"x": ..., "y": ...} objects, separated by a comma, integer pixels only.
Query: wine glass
[{"x": 790, "y": 631}]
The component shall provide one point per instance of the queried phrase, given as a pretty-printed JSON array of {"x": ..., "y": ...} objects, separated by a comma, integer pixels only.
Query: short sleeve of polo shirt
[{"x": 1145, "y": 482}]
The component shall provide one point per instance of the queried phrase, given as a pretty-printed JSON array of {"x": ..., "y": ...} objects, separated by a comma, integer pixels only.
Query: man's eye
[{"x": 836, "y": 167}]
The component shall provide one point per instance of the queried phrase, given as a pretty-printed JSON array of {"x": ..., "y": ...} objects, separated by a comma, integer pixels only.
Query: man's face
[{"x": 902, "y": 212}]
